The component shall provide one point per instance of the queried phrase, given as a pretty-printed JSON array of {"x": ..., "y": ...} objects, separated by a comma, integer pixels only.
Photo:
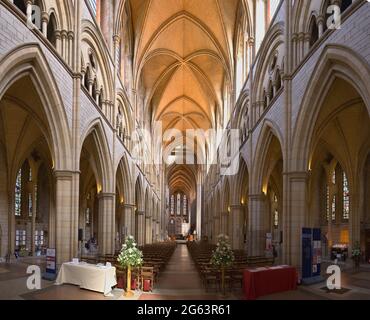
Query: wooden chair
[{"x": 147, "y": 273}]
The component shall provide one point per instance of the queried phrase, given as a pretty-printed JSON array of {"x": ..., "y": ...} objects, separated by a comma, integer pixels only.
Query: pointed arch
[
  {"x": 335, "y": 62},
  {"x": 28, "y": 60},
  {"x": 268, "y": 132},
  {"x": 105, "y": 172}
]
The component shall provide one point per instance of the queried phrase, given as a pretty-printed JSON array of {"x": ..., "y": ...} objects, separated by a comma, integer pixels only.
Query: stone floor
[{"x": 179, "y": 281}]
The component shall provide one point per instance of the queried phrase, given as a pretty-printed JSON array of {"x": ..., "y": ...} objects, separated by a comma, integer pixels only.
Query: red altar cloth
[{"x": 264, "y": 281}]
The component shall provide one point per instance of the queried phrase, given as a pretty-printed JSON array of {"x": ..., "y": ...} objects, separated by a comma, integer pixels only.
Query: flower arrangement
[
  {"x": 223, "y": 256},
  {"x": 356, "y": 254},
  {"x": 130, "y": 257}
]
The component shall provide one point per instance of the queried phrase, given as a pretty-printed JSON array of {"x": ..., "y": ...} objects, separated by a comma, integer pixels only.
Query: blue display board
[
  {"x": 311, "y": 253},
  {"x": 306, "y": 253}
]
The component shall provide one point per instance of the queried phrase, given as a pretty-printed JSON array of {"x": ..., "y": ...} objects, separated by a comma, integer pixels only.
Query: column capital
[
  {"x": 320, "y": 19},
  {"x": 45, "y": 17},
  {"x": 64, "y": 33},
  {"x": 140, "y": 213},
  {"x": 257, "y": 197},
  {"x": 65, "y": 174},
  {"x": 103, "y": 195},
  {"x": 297, "y": 175},
  {"x": 236, "y": 206},
  {"x": 57, "y": 34},
  {"x": 116, "y": 38},
  {"x": 129, "y": 206}
]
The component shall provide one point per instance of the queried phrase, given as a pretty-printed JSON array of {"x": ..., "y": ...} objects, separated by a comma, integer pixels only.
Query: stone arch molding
[
  {"x": 335, "y": 62},
  {"x": 123, "y": 168},
  {"x": 268, "y": 131},
  {"x": 101, "y": 143},
  {"x": 28, "y": 60}
]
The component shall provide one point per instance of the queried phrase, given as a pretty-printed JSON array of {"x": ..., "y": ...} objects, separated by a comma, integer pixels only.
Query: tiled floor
[{"x": 179, "y": 281}]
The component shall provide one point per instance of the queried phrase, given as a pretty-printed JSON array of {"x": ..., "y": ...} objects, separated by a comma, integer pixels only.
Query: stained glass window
[
  {"x": 172, "y": 205},
  {"x": 276, "y": 218},
  {"x": 185, "y": 205},
  {"x": 30, "y": 204},
  {"x": 39, "y": 238},
  {"x": 178, "y": 205},
  {"x": 35, "y": 204},
  {"x": 333, "y": 207},
  {"x": 30, "y": 176},
  {"x": 327, "y": 203},
  {"x": 20, "y": 238},
  {"x": 333, "y": 177},
  {"x": 87, "y": 215},
  {"x": 345, "y": 197},
  {"x": 18, "y": 193}
]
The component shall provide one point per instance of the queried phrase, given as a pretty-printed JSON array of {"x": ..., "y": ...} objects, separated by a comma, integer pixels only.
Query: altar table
[
  {"x": 88, "y": 276},
  {"x": 264, "y": 281}
]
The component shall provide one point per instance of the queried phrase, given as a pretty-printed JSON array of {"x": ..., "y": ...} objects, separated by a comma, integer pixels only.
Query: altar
[{"x": 99, "y": 278}]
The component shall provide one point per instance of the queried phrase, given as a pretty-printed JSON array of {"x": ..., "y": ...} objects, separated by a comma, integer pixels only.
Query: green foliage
[
  {"x": 130, "y": 255},
  {"x": 223, "y": 256},
  {"x": 356, "y": 251}
]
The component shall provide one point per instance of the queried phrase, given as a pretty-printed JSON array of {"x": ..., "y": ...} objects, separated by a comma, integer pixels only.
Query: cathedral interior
[{"x": 180, "y": 121}]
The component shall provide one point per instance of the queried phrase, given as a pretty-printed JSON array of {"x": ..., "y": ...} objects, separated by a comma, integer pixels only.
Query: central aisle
[{"x": 180, "y": 280}]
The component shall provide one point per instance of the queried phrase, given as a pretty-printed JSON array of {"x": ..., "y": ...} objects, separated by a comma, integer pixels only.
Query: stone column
[
  {"x": 106, "y": 228},
  {"x": 140, "y": 227},
  {"x": 64, "y": 52},
  {"x": 251, "y": 43},
  {"x": 58, "y": 42},
  {"x": 148, "y": 231},
  {"x": 237, "y": 240},
  {"x": 34, "y": 212},
  {"x": 307, "y": 39},
  {"x": 355, "y": 216},
  {"x": 90, "y": 82},
  {"x": 294, "y": 219},
  {"x": 29, "y": 10},
  {"x": 320, "y": 23},
  {"x": 106, "y": 22},
  {"x": 122, "y": 223},
  {"x": 294, "y": 49},
  {"x": 301, "y": 45},
  {"x": 129, "y": 211},
  {"x": 224, "y": 217},
  {"x": 70, "y": 46},
  {"x": 44, "y": 24},
  {"x": 216, "y": 229},
  {"x": 257, "y": 227},
  {"x": 66, "y": 234}
]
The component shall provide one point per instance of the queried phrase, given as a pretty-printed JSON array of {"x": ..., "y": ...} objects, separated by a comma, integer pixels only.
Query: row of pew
[
  {"x": 155, "y": 258},
  {"x": 201, "y": 253}
]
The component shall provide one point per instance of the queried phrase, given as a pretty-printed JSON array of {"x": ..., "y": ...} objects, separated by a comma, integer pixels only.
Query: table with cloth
[
  {"x": 88, "y": 276},
  {"x": 264, "y": 281}
]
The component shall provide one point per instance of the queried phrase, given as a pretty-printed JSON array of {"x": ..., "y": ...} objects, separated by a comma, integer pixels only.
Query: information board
[{"x": 51, "y": 261}]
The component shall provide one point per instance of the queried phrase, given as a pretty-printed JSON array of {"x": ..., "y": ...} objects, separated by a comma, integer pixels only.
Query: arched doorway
[
  {"x": 340, "y": 145},
  {"x": 27, "y": 219}
]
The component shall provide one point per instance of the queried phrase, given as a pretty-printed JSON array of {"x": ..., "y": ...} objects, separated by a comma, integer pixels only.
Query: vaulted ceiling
[{"x": 183, "y": 59}]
